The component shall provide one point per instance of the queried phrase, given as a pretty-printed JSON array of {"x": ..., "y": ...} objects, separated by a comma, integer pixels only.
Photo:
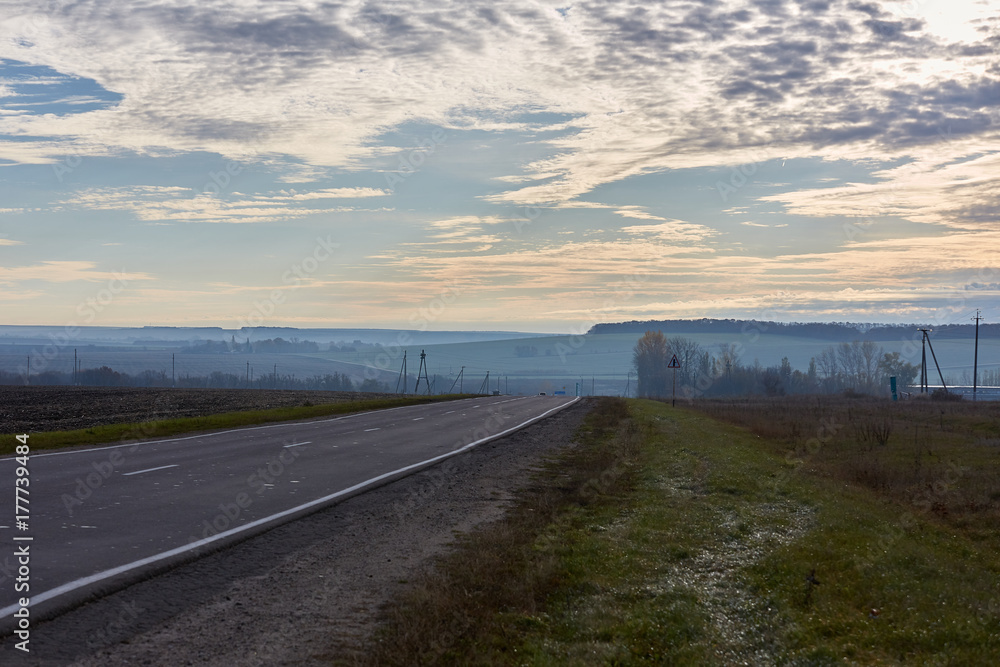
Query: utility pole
[
  {"x": 936, "y": 365},
  {"x": 457, "y": 381},
  {"x": 484, "y": 388},
  {"x": 173, "y": 369},
  {"x": 975, "y": 358},
  {"x": 402, "y": 375},
  {"x": 923, "y": 360},
  {"x": 422, "y": 373}
]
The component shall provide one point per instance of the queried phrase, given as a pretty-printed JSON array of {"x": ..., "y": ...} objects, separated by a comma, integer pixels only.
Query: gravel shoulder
[{"x": 308, "y": 592}]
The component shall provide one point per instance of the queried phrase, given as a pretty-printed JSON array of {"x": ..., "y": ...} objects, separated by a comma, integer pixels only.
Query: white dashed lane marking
[{"x": 139, "y": 472}]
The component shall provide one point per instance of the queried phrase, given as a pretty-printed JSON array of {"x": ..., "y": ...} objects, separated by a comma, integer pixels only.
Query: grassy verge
[
  {"x": 668, "y": 537},
  {"x": 168, "y": 427},
  {"x": 499, "y": 579}
]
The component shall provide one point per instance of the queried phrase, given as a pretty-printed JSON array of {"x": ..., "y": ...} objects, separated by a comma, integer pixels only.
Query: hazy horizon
[
  {"x": 569, "y": 328},
  {"x": 506, "y": 332}
]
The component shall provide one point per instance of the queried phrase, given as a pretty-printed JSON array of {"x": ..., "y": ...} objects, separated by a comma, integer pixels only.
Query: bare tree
[
  {"x": 729, "y": 358},
  {"x": 859, "y": 363},
  {"x": 870, "y": 355},
  {"x": 650, "y": 359},
  {"x": 688, "y": 354},
  {"x": 829, "y": 368}
]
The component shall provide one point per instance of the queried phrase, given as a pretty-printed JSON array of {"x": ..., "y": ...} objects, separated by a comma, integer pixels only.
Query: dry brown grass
[
  {"x": 457, "y": 613},
  {"x": 940, "y": 459}
]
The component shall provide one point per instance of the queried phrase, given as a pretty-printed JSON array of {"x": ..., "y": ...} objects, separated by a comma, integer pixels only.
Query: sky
[{"x": 529, "y": 166}]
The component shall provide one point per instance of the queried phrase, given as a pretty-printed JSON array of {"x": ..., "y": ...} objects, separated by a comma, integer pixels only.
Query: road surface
[{"x": 103, "y": 517}]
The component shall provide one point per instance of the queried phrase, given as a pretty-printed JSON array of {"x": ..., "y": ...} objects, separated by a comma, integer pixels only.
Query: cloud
[
  {"x": 465, "y": 234},
  {"x": 947, "y": 185},
  {"x": 646, "y": 87},
  {"x": 637, "y": 212},
  {"x": 61, "y": 271},
  {"x": 330, "y": 193},
  {"x": 466, "y": 221},
  {"x": 672, "y": 231},
  {"x": 543, "y": 106},
  {"x": 158, "y": 204}
]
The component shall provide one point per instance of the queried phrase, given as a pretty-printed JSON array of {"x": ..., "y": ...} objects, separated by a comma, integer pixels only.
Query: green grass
[
  {"x": 697, "y": 548},
  {"x": 170, "y": 427}
]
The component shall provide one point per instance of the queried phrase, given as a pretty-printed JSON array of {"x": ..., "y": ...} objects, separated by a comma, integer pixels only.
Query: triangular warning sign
[{"x": 674, "y": 363}]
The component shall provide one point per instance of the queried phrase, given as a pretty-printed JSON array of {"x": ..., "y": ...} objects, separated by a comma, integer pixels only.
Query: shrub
[{"x": 943, "y": 394}]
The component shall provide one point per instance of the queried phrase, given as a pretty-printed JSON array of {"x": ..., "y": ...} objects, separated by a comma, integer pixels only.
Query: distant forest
[
  {"x": 108, "y": 377},
  {"x": 269, "y": 346},
  {"x": 829, "y": 331}
]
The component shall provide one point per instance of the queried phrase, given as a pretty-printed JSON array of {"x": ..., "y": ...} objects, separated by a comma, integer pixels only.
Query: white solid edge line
[
  {"x": 234, "y": 430},
  {"x": 121, "y": 569}
]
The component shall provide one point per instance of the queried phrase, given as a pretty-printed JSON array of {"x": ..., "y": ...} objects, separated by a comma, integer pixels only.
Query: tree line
[
  {"x": 268, "y": 345},
  {"x": 860, "y": 366},
  {"x": 106, "y": 376},
  {"x": 845, "y": 332}
]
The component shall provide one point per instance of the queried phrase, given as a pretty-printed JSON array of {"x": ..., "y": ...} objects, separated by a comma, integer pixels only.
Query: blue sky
[{"x": 519, "y": 165}]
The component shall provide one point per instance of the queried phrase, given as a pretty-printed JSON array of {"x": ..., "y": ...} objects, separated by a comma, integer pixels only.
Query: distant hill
[
  {"x": 182, "y": 336},
  {"x": 827, "y": 331}
]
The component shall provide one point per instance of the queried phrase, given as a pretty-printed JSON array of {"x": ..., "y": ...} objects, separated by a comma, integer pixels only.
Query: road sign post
[{"x": 674, "y": 364}]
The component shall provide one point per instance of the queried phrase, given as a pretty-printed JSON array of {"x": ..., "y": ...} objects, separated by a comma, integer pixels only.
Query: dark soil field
[{"x": 38, "y": 409}]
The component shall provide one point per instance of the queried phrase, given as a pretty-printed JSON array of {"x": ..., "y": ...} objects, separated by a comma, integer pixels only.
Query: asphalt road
[{"x": 103, "y": 517}]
